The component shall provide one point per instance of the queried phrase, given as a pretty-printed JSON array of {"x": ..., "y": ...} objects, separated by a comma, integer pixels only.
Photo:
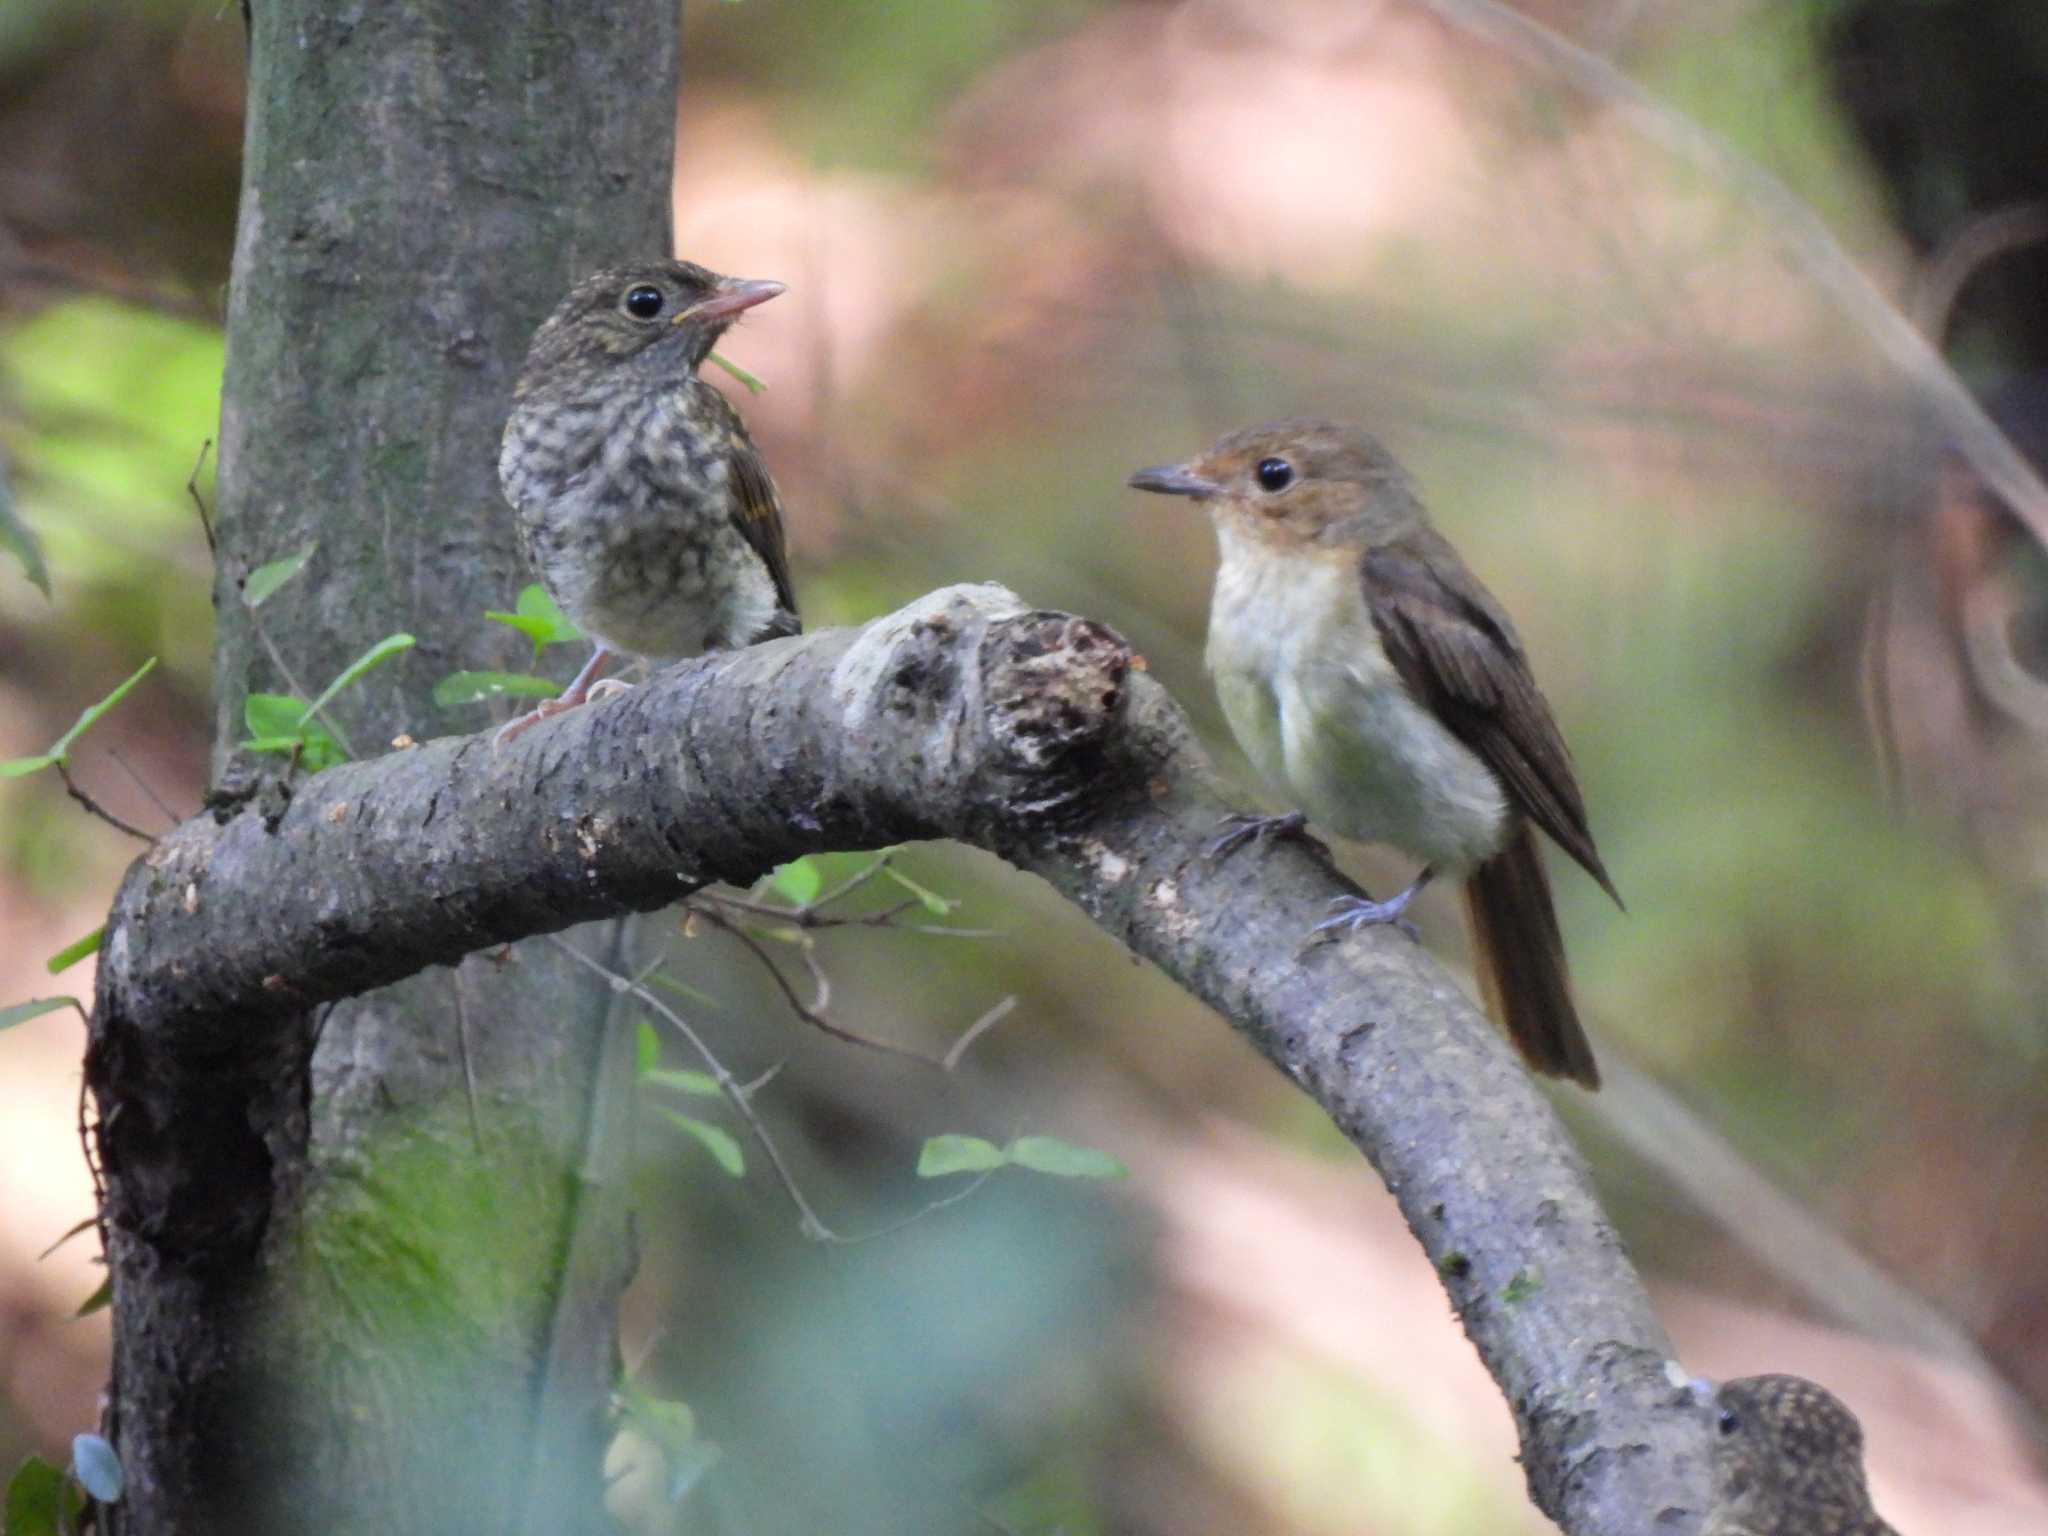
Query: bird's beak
[
  {"x": 734, "y": 294},
  {"x": 1173, "y": 480}
]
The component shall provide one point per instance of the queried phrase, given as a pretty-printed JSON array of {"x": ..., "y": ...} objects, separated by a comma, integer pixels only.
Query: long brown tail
[{"x": 1518, "y": 954}]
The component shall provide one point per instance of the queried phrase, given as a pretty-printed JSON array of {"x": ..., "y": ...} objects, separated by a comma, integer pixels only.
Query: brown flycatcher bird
[
  {"x": 1369, "y": 674},
  {"x": 643, "y": 504}
]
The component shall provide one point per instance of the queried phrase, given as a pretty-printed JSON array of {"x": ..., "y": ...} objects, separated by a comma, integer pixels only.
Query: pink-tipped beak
[{"x": 734, "y": 294}]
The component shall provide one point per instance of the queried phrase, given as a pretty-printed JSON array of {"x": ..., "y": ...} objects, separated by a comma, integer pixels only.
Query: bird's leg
[
  {"x": 1356, "y": 912},
  {"x": 1234, "y": 831},
  {"x": 576, "y": 693}
]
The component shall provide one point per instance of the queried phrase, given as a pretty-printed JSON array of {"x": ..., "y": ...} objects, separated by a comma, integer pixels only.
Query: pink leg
[{"x": 568, "y": 698}]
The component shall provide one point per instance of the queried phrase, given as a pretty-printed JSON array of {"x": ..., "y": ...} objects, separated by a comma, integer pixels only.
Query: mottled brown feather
[
  {"x": 757, "y": 507},
  {"x": 1459, "y": 654}
]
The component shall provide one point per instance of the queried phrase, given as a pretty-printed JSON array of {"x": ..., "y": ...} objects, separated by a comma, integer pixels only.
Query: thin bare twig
[
  {"x": 978, "y": 1028},
  {"x": 476, "y": 1125},
  {"x": 811, "y": 1013},
  {"x": 93, "y": 807},
  {"x": 1964, "y": 254},
  {"x": 808, "y": 917},
  {"x": 1798, "y": 229},
  {"x": 144, "y": 785},
  {"x": 199, "y": 501}
]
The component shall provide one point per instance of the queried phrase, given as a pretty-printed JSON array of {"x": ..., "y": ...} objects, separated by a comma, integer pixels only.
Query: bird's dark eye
[
  {"x": 1728, "y": 1421},
  {"x": 1275, "y": 474},
  {"x": 642, "y": 302}
]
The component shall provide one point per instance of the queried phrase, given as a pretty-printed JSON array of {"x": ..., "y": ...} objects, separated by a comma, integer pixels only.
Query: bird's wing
[
  {"x": 756, "y": 507},
  {"x": 1460, "y": 656}
]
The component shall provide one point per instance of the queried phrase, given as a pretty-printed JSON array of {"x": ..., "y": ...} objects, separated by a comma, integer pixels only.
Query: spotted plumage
[
  {"x": 642, "y": 503},
  {"x": 1788, "y": 1461}
]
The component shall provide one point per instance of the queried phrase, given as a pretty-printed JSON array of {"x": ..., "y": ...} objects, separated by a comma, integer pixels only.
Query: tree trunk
[{"x": 351, "y": 1298}]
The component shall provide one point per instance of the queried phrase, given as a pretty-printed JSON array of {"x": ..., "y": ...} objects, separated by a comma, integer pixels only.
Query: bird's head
[
  {"x": 1301, "y": 482},
  {"x": 663, "y": 317}
]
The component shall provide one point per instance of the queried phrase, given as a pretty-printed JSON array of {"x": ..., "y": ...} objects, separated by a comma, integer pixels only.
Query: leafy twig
[{"x": 813, "y": 1225}]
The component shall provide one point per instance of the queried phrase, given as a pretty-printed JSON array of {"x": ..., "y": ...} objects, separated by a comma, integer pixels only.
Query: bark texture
[
  {"x": 340, "y": 1303},
  {"x": 1028, "y": 733}
]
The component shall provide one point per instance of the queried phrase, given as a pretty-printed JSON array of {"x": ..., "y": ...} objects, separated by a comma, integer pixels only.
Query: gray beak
[
  {"x": 734, "y": 294},
  {"x": 1173, "y": 480}
]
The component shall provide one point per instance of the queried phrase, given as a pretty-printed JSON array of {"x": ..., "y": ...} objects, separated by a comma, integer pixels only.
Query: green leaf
[
  {"x": 533, "y": 602},
  {"x": 646, "y": 1048},
  {"x": 1062, "y": 1159},
  {"x": 754, "y": 382},
  {"x": 19, "y": 540},
  {"x": 717, "y": 1142},
  {"x": 535, "y": 616},
  {"x": 84, "y": 1226},
  {"x": 61, "y": 748},
  {"x": 35, "y": 1499},
  {"x": 97, "y": 1468},
  {"x": 102, "y": 1294},
  {"x": 1522, "y": 1284},
  {"x": 35, "y": 1008},
  {"x": 76, "y": 951},
  {"x": 375, "y": 656},
  {"x": 273, "y": 717},
  {"x": 318, "y": 750},
  {"x": 702, "y": 1084},
  {"x": 278, "y": 723},
  {"x": 797, "y": 882},
  {"x": 950, "y": 1153},
  {"x": 459, "y": 688},
  {"x": 266, "y": 579}
]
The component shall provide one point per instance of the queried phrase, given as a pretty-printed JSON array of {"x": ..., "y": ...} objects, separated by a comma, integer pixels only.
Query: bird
[
  {"x": 1787, "y": 1461},
  {"x": 1370, "y": 676},
  {"x": 642, "y": 503}
]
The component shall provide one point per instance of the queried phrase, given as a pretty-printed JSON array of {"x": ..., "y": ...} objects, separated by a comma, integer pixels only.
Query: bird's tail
[{"x": 1518, "y": 954}]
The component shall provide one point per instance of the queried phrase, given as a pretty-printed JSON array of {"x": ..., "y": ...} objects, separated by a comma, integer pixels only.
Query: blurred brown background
[{"x": 1800, "y": 653}]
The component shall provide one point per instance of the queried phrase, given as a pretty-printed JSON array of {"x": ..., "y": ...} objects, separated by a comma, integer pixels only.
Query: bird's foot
[
  {"x": 1351, "y": 913},
  {"x": 607, "y": 688},
  {"x": 1233, "y": 832},
  {"x": 519, "y": 724},
  {"x": 584, "y": 687}
]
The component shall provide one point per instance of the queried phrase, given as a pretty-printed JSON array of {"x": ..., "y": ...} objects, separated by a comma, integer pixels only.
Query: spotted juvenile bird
[
  {"x": 1788, "y": 1461},
  {"x": 642, "y": 503},
  {"x": 1367, "y": 672}
]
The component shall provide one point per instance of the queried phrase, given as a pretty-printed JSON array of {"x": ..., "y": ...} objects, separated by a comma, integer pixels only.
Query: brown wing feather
[
  {"x": 1458, "y": 652},
  {"x": 757, "y": 508}
]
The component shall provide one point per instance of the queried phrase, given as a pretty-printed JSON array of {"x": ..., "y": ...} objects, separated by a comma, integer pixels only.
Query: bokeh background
[{"x": 1801, "y": 653}]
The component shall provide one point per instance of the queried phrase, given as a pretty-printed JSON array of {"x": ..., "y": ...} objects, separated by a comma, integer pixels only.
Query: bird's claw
[
  {"x": 607, "y": 688},
  {"x": 1238, "y": 829},
  {"x": 519, "y": 724},
  {"x": 1352, "y": 913}
]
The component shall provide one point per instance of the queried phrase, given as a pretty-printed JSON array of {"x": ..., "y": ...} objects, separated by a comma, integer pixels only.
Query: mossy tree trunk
[{"x": 376, "y": 1300}]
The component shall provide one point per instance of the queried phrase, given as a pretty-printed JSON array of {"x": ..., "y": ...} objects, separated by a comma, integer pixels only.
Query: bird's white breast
[{"x": 1317, "y": 706}]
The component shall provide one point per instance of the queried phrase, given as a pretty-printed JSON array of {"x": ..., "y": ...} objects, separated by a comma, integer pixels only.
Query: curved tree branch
[{"x": 964, "y": 715}]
